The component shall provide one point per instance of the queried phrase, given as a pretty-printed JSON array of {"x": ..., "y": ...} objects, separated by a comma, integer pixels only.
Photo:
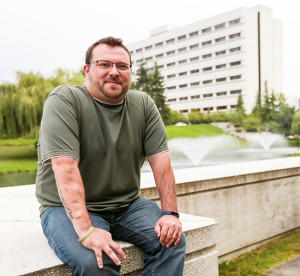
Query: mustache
[{"x": 112, "y": 79}]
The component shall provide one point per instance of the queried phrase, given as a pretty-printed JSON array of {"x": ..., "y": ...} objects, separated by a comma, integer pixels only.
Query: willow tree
[{"x": 21, "y": 104}]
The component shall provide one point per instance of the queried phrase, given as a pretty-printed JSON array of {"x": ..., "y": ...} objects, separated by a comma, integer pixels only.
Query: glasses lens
[{"x": 122, "y": 66}]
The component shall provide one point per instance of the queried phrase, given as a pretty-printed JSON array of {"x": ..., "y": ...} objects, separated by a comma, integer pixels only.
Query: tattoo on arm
[{"x": 68, "y": 210}]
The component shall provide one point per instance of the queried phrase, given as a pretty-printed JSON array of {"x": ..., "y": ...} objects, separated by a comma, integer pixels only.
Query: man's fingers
[
  {"x": 157, "y": 230},
  {"x": 110, "y": 253},
  {"x": 178, "y": 238},
  {"x": 118, "y": 249},
  {"x": 99, "y": 258}
]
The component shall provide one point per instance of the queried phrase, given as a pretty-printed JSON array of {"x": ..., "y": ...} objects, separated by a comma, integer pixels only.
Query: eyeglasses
[{"x": 106, "y": 65}]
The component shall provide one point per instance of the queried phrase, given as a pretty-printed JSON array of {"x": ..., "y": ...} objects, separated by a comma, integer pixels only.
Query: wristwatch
[{"x": 170, "y": 213}]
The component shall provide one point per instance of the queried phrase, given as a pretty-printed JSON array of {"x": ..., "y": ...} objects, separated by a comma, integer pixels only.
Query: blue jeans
[{"x": 134, "y": 225}]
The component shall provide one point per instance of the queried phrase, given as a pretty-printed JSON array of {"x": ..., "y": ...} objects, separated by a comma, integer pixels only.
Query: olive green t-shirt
[{"x": 110, "y": 142}]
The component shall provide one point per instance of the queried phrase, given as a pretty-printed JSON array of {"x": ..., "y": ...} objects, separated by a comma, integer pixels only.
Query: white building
[{"x": 207, "y": 64}]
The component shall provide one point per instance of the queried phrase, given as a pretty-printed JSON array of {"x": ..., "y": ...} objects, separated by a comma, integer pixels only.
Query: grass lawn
[
  {"x": 193, "y": 131},
  {"x": 16, "y": 157},
  {"x": 262, "y": 259}
]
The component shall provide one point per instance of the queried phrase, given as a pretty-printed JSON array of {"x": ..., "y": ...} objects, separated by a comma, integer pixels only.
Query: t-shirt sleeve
[
  {"x": 59, "y": 131},
  {"x": 155, "y": 140}
]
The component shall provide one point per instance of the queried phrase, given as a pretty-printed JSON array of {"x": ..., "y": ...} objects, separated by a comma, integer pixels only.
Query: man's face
[{"x": 108, "y": 85}]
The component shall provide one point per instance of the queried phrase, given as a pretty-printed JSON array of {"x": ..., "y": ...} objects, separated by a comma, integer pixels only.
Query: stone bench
[{"x": 25, "y": 251}]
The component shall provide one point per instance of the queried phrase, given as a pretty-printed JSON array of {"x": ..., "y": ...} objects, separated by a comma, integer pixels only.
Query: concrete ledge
[
  {"x": 253, "y": 202},
  {"x": 25, "y": 251}
]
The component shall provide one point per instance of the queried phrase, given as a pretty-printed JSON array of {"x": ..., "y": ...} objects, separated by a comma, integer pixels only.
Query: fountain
[
  {"x": 265, "y": 139},
  {"x": 224, "y": 149},
  {"x": 196, "y": 149}
]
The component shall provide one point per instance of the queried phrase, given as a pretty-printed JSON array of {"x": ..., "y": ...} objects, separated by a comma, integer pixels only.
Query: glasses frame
[{"x": 112, "y": 64}]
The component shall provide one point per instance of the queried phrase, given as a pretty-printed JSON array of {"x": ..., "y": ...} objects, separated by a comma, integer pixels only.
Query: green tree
[
  {"x": 257, "y": 109},
  {"x": 296, "y": 123},
  {"x": 284, "y": 115},
  {"x": 21, "y": 104},
  {"x": 151, "y": 82}
]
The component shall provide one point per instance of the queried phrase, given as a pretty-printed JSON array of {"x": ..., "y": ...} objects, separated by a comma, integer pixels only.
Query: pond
[{"x": 15, "y": 179}]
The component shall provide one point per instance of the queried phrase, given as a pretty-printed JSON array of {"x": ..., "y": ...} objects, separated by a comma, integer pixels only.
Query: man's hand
[
  {"x": 100, "y": 241},
  {"x": 169, "y": 230}
]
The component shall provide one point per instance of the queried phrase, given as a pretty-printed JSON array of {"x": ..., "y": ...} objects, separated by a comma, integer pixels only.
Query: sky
[{"x": 43, "y": 35}]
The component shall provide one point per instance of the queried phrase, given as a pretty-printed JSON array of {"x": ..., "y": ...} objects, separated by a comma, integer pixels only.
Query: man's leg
[
  {"x": 63, "y": 239},
  {"x": 136, "y": 225}
]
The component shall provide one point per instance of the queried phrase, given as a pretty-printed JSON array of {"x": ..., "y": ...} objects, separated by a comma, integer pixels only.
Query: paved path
[{"x": 289, "y": 268}]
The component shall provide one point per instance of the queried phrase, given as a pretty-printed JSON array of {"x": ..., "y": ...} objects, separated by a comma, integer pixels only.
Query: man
[{"x": 93, "y": 141}]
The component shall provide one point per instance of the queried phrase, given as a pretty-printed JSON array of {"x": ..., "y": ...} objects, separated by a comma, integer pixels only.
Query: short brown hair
[{"x": 111, "y": 41}]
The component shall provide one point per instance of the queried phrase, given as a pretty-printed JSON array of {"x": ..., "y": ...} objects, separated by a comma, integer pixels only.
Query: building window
[
  {"x": 220, "y": 66},
  {"x": 182, "y": 74},
  {"x": 194, "y": 34},
  {"x": 171, "y": 52},
  {"x": 194, "y": 59},
  {"x": 195, "y": 71},
  {"x": 221, "y": 53},
  {"x": 183, "y": 98},
  {"x": 208, "y": 95},
  {"x": 207, "y": 81},
  {"x": 171, "y": 87},
  {"x": 195, "y": 97},
  {"x": 208, "y": 108},
  {"x": 235, "y": 63},
  {"x": 233, "y": 106},
  {"x": 220, "y": 26},
  {"x": 195, "y": 83},
  {"x": 180, "y": 50},
  {"x": 236, "y": 77},
  {"x": 139, "y": 50},
  {"x": 148, "y": 58},
  {"x": 220, "y": 39},
  {"x": 235, "y": 21},
  {"x": 207, "y": 56},
  {"x": 184, "y": 111},
  {"x": 182, "y": 61},
  {"x": 222, "y": 107},
  {"x": 172, "y": 40},
  {"x": 181, "y": 37},
  {"x": 139, "y": 60},
  {"x": 224, "y": 93},
  {"x": 160, "y": 66},
  {"x": 148, "y": 47},
  {"x": 232, "y": 92},
  {"x": 159, "y": 55},
  {"x": 194, "y": 46},
  {"x": 183, "y": 85},
  {"x": 207, "y": 69},
  {"x": 234, "y": 35},
  {"x": 206, "y": 30},
  {"x": 171, "y": 76},
  {"x": 171, "y": 100},
  {"x": 159, "y": 44},
  {"x": 131, "y": 52},
  {"x": 221, "y": 79},
  {"x": 236, "y": 49},
  {"x": 206, "y": 43},
  {"x": 171, "y": 64}
]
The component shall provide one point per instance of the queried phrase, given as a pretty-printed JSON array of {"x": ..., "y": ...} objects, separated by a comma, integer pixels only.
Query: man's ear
[{"x": 86, "y": 69}]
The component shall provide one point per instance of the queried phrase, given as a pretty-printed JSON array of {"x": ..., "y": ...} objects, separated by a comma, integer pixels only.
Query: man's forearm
[
  {"x": 71, "y": 192},
  {"x": 165, "y": 181}
]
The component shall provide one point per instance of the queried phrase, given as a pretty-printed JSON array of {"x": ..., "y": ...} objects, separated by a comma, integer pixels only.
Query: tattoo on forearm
[
  {"x": 67, "y": 208},
  {"x": 167, "y": 192}
]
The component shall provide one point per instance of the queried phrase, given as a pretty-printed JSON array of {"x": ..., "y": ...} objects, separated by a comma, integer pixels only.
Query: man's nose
[{"x": 113, "y": 70}]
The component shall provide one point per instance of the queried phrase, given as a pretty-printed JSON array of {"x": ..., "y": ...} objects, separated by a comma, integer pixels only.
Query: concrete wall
[{"x": 253, "y": 202}]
